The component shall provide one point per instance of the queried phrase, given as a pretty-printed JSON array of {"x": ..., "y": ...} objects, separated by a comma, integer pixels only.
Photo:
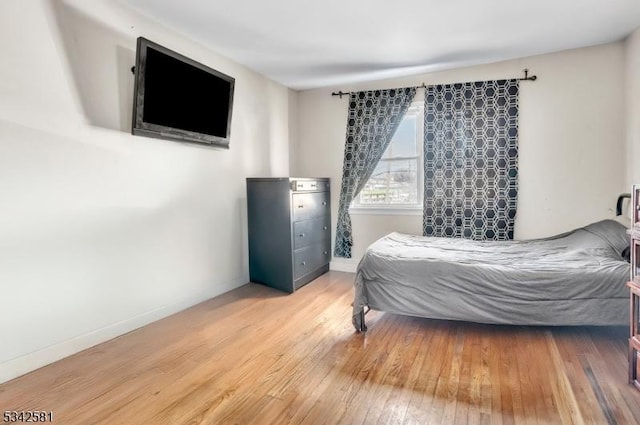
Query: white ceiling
[{"x": 304, "y": 44}]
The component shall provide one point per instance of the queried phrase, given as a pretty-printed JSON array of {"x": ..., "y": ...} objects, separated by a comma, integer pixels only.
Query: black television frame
[{"x": 142, "y": 128}]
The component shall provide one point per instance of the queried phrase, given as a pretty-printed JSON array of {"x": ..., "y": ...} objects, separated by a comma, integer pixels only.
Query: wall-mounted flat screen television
[{"x": 177, "y": 98}]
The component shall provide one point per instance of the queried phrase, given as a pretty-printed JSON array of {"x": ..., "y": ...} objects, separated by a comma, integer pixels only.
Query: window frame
[{"x": 417, "y": 109}]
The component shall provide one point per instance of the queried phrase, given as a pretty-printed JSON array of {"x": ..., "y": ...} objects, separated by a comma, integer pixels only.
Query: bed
[{"x": 575, "y": 278}]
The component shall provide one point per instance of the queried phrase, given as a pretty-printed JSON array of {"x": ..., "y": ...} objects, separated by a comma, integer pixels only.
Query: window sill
[{"x": 397, "y": 210}]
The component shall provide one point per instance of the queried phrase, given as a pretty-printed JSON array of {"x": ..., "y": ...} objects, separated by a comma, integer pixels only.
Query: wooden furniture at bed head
[
  {"x": 289, "y": 222},
  {"x": 634, "y": 340},
  {"x": 634, "y": 291}
]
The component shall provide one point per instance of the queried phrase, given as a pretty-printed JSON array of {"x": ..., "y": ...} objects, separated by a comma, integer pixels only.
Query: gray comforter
[{"x": 576, "y": 278}]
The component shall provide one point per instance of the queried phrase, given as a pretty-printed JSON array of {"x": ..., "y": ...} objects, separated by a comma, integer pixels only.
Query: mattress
[{"x": 575, "y": 278}]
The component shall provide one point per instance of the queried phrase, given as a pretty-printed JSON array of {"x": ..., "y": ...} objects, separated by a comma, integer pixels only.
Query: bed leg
[{"x": 363, "y": 326}]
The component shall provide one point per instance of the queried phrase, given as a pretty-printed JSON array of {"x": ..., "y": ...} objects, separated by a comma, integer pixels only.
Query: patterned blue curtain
[
  {"x": 471, "y": 160},
  {"x": 373, "y": 118}
]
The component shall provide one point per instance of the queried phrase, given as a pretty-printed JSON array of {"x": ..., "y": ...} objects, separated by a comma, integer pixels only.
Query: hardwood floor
[{"x": 258, "y": 356}]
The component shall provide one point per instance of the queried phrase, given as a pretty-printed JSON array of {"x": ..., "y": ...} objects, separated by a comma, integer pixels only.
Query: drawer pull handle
[
  {"x": 325, "y": 253},
  {"x": 324, "y": 202},
  {"x": 300, "y": 206},
  {"x": 302, "y": 235},
  {"x": 324, "y": 228},
  {"x": 304, "y": 263}
]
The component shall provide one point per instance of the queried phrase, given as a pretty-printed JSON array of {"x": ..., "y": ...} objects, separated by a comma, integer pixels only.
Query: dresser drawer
[
  {"x": 311, "y": 231},
  {"x": 306, "y": 206},
  {"x": 310, "y": 258}
]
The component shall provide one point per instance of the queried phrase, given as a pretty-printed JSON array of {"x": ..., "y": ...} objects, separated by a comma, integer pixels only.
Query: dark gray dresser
[{"x": 289, "y": 230}]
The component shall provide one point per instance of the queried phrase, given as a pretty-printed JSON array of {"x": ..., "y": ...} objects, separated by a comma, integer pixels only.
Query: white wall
[
  {"x": 100, "y": 231},
  {"x": 293, "y": 127},
  {"x": 571, "y": 141},
  {"x": 632, "y": 92}
]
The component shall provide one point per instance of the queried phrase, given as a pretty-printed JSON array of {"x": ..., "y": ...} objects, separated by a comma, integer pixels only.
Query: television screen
[{"x": 178, "y": 98}]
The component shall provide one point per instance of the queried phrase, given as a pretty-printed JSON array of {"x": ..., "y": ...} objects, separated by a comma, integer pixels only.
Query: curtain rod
[
  {"x": 526, "y": 77},
  {"x": 342, "y": 93}
]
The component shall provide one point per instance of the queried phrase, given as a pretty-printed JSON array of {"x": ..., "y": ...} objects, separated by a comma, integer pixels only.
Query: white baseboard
[
  {"x": 348, "y": 266},
  {"x": 19, "y": 366}
]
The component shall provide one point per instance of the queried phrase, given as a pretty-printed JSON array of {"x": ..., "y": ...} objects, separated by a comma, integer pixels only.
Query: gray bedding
[{"x": 576, "y": 278}]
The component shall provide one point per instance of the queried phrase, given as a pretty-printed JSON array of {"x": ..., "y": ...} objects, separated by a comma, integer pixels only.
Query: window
[{"x": 396, "y": 182}]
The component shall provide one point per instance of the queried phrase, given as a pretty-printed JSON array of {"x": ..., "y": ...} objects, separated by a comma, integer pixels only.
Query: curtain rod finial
[
  {"x": 526, "y": 76},
  {"x": 340, "y": 93}
]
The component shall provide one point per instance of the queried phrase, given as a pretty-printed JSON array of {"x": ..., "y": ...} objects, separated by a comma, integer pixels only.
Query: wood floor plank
[
  {"x": 259, "y": 356},
  {"x": 564, "y": 397},
  {"x": 441, "y": 375},
  {"x": 427, "y": 366},
  {"x": 404, "y": 376},
  {"x": 503, "y": 368}
]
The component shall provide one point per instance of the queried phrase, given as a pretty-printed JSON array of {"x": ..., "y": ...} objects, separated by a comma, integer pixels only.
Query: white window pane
[
  {"x": 395, "y": 182},
  {"x": 405, "y": 138},
  {"x": 404, "y": 141},
  {"x": 392, "y": 182},
  {"x": 375, "y": 190}
]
